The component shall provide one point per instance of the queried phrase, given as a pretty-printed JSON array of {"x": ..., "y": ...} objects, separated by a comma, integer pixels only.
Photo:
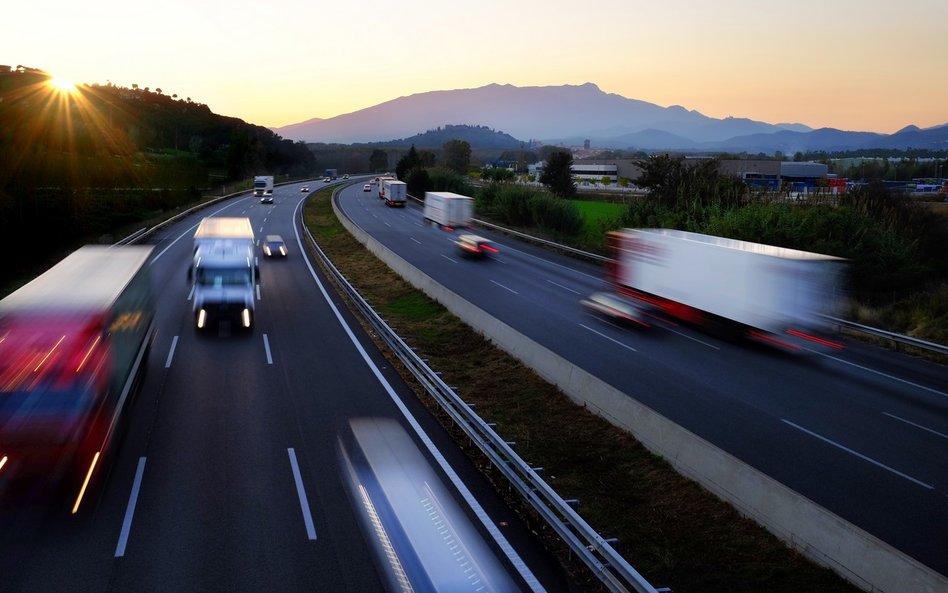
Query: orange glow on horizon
[{"x": 63, "y": 85}]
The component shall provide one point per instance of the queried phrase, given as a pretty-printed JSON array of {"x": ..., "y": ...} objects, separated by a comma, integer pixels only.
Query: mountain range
[{"x": 571, "y": 114}]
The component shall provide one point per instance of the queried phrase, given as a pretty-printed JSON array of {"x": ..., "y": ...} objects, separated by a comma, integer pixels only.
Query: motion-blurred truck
[
  {"x": 223, "y": 272},
  {"x": 262, "y": 186},
  {"x": 331, "y": 173},
  {"x": 448, "y": 210},
  {"x": 73, "y": 343},
  {"x": 771, "y": 294},
  {"x": 394, "y": 192}
]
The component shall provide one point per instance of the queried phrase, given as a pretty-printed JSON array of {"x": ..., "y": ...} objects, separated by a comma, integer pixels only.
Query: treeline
[{"x": 78, "y": 164}]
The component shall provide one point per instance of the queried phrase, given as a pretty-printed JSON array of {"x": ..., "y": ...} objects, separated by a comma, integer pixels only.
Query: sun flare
[{"x": 63, "y": 85}]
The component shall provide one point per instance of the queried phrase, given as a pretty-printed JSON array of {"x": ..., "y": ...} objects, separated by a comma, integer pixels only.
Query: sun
[{"x": 63, "y": 85}]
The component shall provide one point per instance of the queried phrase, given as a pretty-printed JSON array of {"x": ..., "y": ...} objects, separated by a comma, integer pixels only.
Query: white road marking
[
  {"x": 258, "y": 292},
  {"x": 388, "y": 225},
  {"x": 552, "y": 263},
  {"x": 266, "y": 346},
  {"x": 504, "y": 287},
  {"x": 858, "y": 454},
  {"x": 189, "y": 231},
  {"x": 894, "y": 378},
  {"x": 261, "y": 230},
  {"x": 454, "y": 261},
  {"x": 191, "y": 294},
  {"x": 602, "y": 335},
  {"x": 130, "y": 509},
  {"x": 415, "y": 240},
  {"x": 564, "y": 287},
  {"x": 925, "y": 428},
  {"x": 304, "y": 503},
  {"x": 692, "y": 338},
  {"x": 174, "y": 344}
]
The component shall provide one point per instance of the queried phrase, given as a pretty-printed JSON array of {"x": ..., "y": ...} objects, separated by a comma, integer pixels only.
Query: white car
[
  {"x": 367, "y": 187},
  {"x": 304, "y": 189}
]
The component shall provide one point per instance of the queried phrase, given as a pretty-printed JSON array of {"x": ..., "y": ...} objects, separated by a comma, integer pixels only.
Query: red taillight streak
[
  {"x": 800, "y": 334},
  {"x": 449, "y": 228},
  {"x": 489, "y": 248},
  {"x": 3, "y": 461},
  {"x": 773, "y": 340}
]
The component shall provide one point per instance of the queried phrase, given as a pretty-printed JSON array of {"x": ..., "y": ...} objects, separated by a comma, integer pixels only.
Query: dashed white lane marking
[
  {"x": 602, "y": 335},
  {"x": 304, "y": 503},
  {"x": 130, "y": 509},
  {"x": 174, "y": 344}
]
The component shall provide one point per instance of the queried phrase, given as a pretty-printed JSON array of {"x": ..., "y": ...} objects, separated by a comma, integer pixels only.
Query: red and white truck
[
  {"x": 73, "y": 343},
  {"x": 772, "y": 294},
  {"x": 394, "y": 192}
]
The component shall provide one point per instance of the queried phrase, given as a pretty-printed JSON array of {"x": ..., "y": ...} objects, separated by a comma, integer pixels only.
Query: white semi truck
[
  {"x": 223, "y": 272},
  {"x": 394, "y": 192},
  {"x": 263, "y": 186},
  {"x": 448, "y": 210},
  {"x": 772, "y": 294}
]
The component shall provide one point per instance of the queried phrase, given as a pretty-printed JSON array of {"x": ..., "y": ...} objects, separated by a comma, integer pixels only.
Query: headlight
[
  {"x": 266, "y": 249},
  {"x": 201, "y": 319},
  {"x": 246, "y": 317},
  {"x": 283, "y": 251}
]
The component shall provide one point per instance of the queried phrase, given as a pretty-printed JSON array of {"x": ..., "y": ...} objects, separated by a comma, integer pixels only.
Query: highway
[
  {"x": 228, "y": 476},
  {"x": 862, "y": 432}
]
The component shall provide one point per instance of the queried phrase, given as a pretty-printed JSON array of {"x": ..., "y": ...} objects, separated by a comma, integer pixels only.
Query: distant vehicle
[
  {"x": 394, "y": 192},
  {"x": 223, "y": 272},
  {"x": 331, "y": 173},
  {"x": 367, "y": 187},
  {"x": 346, "y": 176},
  {"x": 262, "y": 186},
  {"x": 266, "y": 200},
  {"x": 73, "y": 344},
  {"x": 448, "y": 210},
  {"x": 771, "y": 294},
  {"x": 326, "y": 179},
  {"x": 374, "y": 181},
  {"x": 304, "y": 189},
  {"x": 475, "y": 246},
  {"x": 273, "y": 246}
]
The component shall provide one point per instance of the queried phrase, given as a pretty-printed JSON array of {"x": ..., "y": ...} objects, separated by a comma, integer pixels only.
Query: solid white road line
[
  {"x": 130, "y": 509},
  {"x": 266, "y": 346},
  {"x": 925, "y": 428},
  {"x": 304, "y": 503},
  {"x": 504, "y": 287},
  {"x": 564, "y": 287},
  {"x": 602, "y": 335},
  {"x": 174, "y": 344},
  {"x": 858, "y": 454}
]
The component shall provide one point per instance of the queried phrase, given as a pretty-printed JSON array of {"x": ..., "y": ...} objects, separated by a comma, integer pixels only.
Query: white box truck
[
  {"x": 773, "y": 294},
  {"x": 447, "y": 209},
  {"x": 394, "y": 192},
  {"x": 263, "y": 186},
  {"x": 223, "y": 272}
]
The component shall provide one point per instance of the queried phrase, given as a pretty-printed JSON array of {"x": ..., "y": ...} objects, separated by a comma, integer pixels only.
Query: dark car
[
  {"x": 475, "y": 246},
  {"x": 273, "y": 246},
  {"x": 267, "y": 199}
]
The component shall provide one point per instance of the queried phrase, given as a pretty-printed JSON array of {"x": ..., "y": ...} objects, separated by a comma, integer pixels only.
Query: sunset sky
[{"x": 849, "y": 64}]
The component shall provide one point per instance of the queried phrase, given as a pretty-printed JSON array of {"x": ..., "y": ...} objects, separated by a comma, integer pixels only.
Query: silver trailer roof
[
  {"x": 224, "y": 228},
  {"x": 747, "y": 246},
  {"x": 90, "y": 278}
]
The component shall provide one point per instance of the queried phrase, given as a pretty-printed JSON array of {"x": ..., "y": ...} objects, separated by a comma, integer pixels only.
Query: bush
[{"x": 526, "y": 207}]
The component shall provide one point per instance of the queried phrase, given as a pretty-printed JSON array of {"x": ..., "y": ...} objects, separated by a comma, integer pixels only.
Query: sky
[{"x": 867, "y": 65}]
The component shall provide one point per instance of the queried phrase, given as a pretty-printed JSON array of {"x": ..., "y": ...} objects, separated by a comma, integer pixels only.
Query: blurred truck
[
  {"x": 448, "y": 210},
  {"x": 771, "y": 294},
  {"x": 262, "y": 186},
  {"x": 394, "y": 192},
  {"x": 73, "y": 343},
  {"x": 332, "y": 173},
  {"x": 223, "y": 272}
]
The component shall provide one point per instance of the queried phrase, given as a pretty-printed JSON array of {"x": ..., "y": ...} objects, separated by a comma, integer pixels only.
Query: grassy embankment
[{"x": 674, "y": 532}]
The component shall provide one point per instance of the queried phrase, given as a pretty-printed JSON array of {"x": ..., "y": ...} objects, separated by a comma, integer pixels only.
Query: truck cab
[{"x": 223, "y": 276}]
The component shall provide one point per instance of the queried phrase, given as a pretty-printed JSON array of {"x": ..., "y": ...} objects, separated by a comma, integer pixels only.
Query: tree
[
  {"x": 378, "y": 160},
  {"x": 407, "y": 163},
  {"x": 427, "y": 158},
  {"x": 457, "y": 155},
  {"x": 558, "y": 174}
]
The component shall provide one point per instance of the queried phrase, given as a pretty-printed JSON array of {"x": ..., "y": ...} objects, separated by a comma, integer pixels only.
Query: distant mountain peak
[{"x": 909, "y": 128}]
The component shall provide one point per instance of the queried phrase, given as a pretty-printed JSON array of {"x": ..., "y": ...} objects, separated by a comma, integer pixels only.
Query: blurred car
[
  {"x": 326, "y": 179},
  {"x": 375, "y": 181},
  {"x": 475, "y": 246},
  {"x": 304, "y": 189},
  {"x": 346, "y": 176},
  {"x": 273, "y": 246},
  {"x": 268, "y": 199},
  {"x": 367, "y": 187}
]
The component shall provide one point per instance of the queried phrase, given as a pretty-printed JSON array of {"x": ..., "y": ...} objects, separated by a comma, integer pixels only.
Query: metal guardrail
[
  {"x": 590, "y": 547},
  {"x": 881, "y": 333}
]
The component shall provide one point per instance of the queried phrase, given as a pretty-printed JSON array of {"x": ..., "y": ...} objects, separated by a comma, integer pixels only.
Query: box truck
[
  {"x": 394, "y": 192},
  {"x": 772, "y": 294},
  {"x": 447, "y": 209},
  {"x": 263, "y": 186},
  {"x": 223, "y": 272},
  {"x": 73, "y": 344},
  {"x": 332, "y": 173}
]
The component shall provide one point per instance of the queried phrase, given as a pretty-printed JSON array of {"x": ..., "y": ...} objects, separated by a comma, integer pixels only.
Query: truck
[
  {"x": 380, "y": 182},
  {"x": 262, "y": 186},
  {"x": 74, "y": 344},
  {"x": 394, "y": 192},
  {"x": 783, "y": 297},
  {"x": 223, "y": 272},
  {"x": 332, "y": 174},
  {"x": 447, "y": 209}
]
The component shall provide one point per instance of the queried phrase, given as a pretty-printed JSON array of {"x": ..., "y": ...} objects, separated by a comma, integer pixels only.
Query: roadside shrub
[
  {"x": 527, "y": 207},
  {"x": 447, "y": 180}
]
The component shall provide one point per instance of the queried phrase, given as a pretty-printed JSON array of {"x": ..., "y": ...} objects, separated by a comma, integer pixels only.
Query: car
[
  {"x": 346, "y": 176},
  {"x": 273, "y": 246},
  {"x": 367, "y": 187},
  {"x": 304, "y": 189},
  {"x": 475, "y": 246},
  {"x": 375, "y": 181},
  {"x": 267, "y": 199},
  {"x": 327, "y": 179}
]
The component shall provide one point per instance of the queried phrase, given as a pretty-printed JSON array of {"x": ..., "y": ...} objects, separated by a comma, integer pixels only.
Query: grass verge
[{"x": 670, "y": 529}]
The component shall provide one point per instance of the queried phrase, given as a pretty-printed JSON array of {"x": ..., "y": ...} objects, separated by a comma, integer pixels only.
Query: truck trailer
[
  {"x": 73, "y": 344},
  {"x": 332, "y": 174},
  {"x": 771, "y": 294},
  {"x": 263, "y": 186},
  {"x": 448, "y": 210},
  {"x": 394, "y": 192},
  {"x": 223, "y": 272}
]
